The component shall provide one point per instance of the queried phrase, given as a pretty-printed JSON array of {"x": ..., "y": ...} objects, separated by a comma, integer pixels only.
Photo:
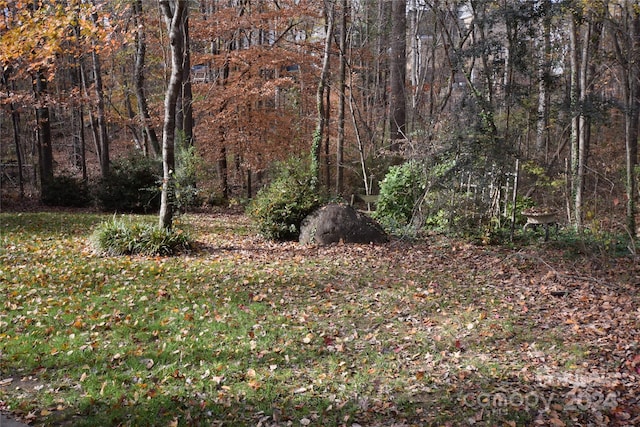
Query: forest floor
[{"x": 243, "y": 331}]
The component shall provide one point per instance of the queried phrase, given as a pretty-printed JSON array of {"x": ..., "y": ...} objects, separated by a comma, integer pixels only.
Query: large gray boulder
[{"x": 340, "y": 223}]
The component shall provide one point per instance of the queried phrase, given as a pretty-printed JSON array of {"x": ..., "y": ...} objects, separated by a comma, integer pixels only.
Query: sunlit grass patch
[{"x": 245, "y": 331}]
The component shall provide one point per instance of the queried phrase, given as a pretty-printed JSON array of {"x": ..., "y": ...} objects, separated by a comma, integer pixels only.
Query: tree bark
[
  {"x": 185, "y": 106},
  {"x": 584, "y": 126},
  {"x": 149, "y": 132},
  {"x": 174, "y": 14},
  {"x": 101, "y": 117},
  {"x": 327, "y": 139},
  {"x": 544, "y": 50},
  {"x": 92, "y": 118},
  {"x": 574, "y": 95},
  {"x": 320, "y": 94},
  {"x": 626, "y": 38},
  {"x": 341, "y": 105},
  {"x": 398, "y": 73},
  {"x": 15, "y": 122},
  {"x": 632, "y": 127},
  {"x": 583, "y": 47},
  {"x": 103, "y": 136},
  {"x": 43, "y": 126},
  {"x": 223, "y": 170}
]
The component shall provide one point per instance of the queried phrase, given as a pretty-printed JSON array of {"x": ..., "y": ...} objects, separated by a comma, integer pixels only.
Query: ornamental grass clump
[{"x": 121, "y": 237}]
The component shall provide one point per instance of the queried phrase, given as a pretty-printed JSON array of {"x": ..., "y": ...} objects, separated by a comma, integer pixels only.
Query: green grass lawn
[{"x": 242, "y": 331}]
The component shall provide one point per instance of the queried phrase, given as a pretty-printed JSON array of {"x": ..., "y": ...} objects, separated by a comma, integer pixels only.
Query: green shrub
[
  {"x": 279, "y": 208},
  {"x": 133, "y": 185},
  {"x": 522, "y": 203},
  {"x": 188, "y": 163},
  {"x": 120, "y": 237},
  {"x": 400, "y": 191},
  {"x": 66, "y": 191}
]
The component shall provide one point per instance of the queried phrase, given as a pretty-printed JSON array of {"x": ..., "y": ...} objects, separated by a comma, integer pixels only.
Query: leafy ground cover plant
[
  {"x": 119, "y": 236},
  {"x": 246, "y": 331}
]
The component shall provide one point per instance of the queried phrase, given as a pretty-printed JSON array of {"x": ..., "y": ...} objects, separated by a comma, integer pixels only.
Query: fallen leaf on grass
[{"x": 557, "y": 422}]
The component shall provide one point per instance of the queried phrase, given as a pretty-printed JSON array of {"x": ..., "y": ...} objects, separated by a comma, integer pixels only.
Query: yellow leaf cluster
[{"x": 33, "y": 38}]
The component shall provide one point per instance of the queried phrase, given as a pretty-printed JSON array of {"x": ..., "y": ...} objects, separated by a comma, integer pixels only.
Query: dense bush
[
  {"x": 120, "y": 237},
  {"x": 66, "y": 191},
  {"x": 133, "y": 185},
  {"x": 279, "y": 208},
  {"x": 188, "y": 164},
  {"x": 400, "y": 191}
]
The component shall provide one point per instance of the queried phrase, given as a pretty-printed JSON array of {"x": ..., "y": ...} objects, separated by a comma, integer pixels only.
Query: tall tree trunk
[
  {"x": 544, "y": 50},
  {"x": 83, "y": 142},
  {"x": 131, "y": 115},
  {"x": 327, "y": 139},
  {"x": 92, "y": 118},
  {"x": 397, "y": 73},
  {"x": 632, "y": 127},
  {"x": 43, "y": 126},
  {"x": 174, "y": 14},
  {"x": 584, "y": 126},
  {"x": 321, "y": 122},
  {"x": 101, "y": 116},
  {"x": 483, "y": 93},
  {"x": 574, "y": 96},
  {"x": 185, "y": 106},
  {"x": 223, "y": 172},
  {"x": 586, "y": 46},
  {"x": 342, "y": 72},
  {"x": 626, "y": 38},
  {"x": 149, "y": 132},
  {"x": 15, "y": 122},
  {"x": 83, "y": 86},
  {"x": 16, "y": 140},
  {"x": 103, "y": 136}
]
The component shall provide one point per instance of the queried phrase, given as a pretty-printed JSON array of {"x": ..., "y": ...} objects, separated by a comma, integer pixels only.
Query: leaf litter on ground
[{"x": 248, "y": 331}]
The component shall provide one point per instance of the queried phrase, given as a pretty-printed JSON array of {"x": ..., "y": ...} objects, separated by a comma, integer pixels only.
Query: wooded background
[{"x": 465, "y": 87}]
